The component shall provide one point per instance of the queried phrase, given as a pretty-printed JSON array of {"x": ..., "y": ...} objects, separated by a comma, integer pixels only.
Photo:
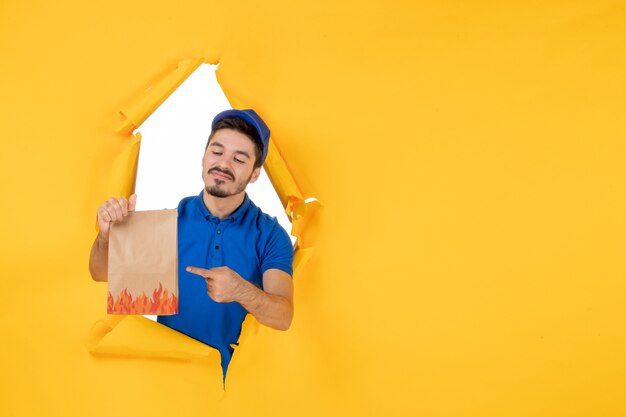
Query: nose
[
  {"x": 224, "y": 164},
  {"x": 221, "y": 164}
]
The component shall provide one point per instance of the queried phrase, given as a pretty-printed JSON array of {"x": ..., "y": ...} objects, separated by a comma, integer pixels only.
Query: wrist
[
  {"x": 102, "y": 238},
  {"x": 246, "y": 292}
]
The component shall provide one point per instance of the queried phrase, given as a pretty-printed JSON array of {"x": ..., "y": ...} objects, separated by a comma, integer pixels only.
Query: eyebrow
[{"x": 244, "y": 153}]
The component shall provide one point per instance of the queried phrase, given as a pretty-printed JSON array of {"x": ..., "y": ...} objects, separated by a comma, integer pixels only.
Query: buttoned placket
[{"x": 216, "y": 250}]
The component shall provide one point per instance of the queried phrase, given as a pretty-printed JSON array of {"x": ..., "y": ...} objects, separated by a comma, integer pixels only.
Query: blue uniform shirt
[{"x": 248, "y": 241}]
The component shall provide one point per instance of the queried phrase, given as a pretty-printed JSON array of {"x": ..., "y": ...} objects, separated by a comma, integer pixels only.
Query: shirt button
[
  {"x": 217, "y": 247},
  {"x": 219, "y": 232}
]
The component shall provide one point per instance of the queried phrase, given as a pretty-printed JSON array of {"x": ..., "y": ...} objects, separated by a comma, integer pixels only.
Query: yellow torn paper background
[{"x": 469, "y": 255}]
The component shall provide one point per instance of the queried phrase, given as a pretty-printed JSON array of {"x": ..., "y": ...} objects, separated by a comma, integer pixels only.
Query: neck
[{"x": 222, "y": 207}]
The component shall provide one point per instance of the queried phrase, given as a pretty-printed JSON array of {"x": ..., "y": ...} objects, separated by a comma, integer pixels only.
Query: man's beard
[{"x": 218, "y": 192}]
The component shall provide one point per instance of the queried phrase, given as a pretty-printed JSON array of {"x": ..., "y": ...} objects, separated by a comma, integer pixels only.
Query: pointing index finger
[{"x": 198, "y": 271}]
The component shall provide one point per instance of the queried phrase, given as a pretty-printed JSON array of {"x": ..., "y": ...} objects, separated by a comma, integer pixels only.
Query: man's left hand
[{"x": 223, "y": 284}]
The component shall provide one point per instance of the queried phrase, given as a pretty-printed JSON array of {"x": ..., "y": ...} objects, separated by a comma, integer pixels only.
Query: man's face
[{"x": 228, "y": 164}]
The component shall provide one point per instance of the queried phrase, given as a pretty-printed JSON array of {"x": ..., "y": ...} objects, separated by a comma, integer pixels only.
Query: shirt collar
[{"x": 234, "y": 216}]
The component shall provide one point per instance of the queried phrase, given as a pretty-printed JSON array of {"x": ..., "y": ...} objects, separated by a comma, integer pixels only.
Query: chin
[{"x": 215, "y": 191}]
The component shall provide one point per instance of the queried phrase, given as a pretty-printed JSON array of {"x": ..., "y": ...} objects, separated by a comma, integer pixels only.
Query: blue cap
[{"x": 252, "y": 118}]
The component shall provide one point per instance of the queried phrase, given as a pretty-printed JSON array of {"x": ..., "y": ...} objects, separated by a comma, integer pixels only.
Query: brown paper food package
[{"x": 143, "y": 264}]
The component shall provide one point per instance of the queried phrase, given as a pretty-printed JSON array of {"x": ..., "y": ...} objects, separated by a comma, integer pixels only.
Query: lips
[{"x": 221, "y": 175}]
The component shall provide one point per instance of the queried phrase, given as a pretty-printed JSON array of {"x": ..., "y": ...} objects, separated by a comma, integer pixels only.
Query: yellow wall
[{"x": 470, "y": 159}]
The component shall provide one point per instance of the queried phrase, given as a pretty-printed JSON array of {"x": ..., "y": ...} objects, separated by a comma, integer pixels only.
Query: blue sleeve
[{"x": 278, "y": 251}]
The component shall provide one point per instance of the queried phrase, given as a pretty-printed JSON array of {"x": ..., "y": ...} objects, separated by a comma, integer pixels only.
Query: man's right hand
[{"x": 114, "y": 210}]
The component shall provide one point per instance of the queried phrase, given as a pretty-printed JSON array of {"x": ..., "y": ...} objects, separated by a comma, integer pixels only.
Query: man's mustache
[{"x": 223, "y": 171}]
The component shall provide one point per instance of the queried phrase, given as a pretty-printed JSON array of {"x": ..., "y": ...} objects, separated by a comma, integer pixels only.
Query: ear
[{"x": 255, "y": 175}]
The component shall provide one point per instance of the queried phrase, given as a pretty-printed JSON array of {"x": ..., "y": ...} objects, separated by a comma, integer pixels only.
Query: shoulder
[
  {"x": 266, "y": 224},
  {"x": 185, "y": 204},
  {"x": 273, "y": 237},
  {"x": 272, "y": 243}
]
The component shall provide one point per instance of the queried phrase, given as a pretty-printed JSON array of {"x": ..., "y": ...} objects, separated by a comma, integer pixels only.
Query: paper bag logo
[{"x": 161, "y": 302}]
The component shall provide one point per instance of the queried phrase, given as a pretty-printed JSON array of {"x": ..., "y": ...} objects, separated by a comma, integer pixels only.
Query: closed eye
[{"x": 239, "y": 161}]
